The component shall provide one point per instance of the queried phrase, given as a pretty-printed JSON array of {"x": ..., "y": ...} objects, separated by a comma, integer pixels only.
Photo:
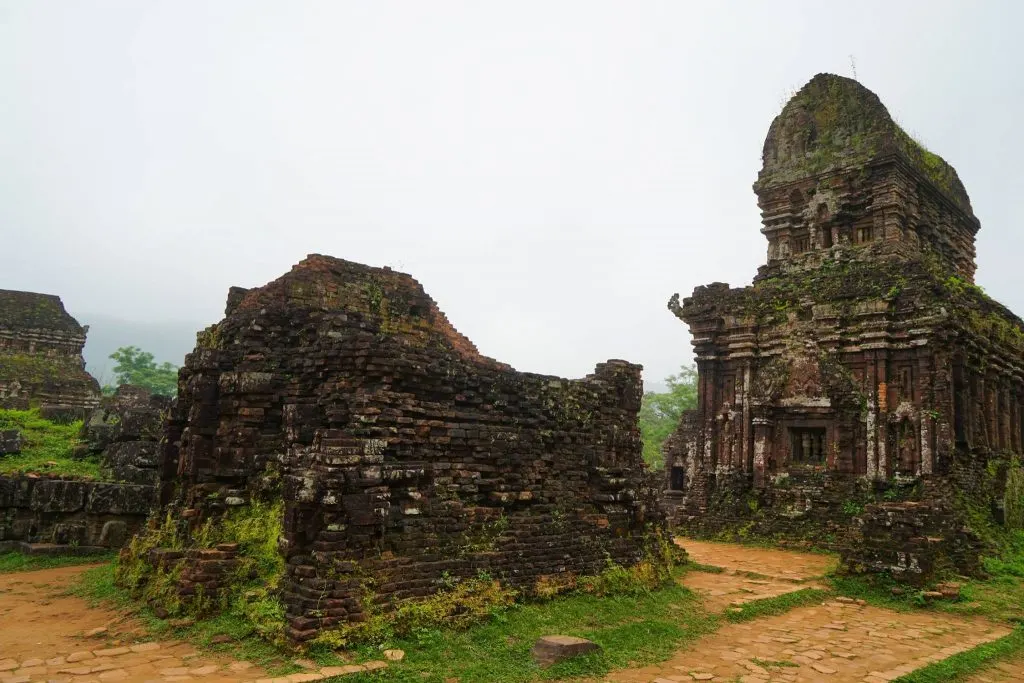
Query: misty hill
[{"x": 167, "y": 341}]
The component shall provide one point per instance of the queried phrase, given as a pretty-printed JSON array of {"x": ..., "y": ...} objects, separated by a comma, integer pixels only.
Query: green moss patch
[
  {"x": 838, "y": 123},
  {"x": 48, "y": 447}
]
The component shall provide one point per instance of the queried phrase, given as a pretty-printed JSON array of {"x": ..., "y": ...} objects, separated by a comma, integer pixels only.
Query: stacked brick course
[
  {"x": 404, "y": 457},
  {"x": 41, "y": 354}
]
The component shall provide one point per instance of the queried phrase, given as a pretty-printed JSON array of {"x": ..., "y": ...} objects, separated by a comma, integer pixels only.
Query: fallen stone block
[{"x": 552, "y": 649}]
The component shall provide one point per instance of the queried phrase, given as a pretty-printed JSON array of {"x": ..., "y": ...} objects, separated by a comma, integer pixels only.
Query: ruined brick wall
[
  {"x": 124, "y": 433},
  {"x": 402, "y": 454},
  {"x": 41, "y": 354},
  {"x": 862, "y": 366},
  {"x": 71, "y": 513},
  {"x": 912, "y": 541}
]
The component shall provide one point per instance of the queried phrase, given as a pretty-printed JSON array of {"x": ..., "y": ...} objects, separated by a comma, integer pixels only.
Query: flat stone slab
[{"x": 551, "y": 649}]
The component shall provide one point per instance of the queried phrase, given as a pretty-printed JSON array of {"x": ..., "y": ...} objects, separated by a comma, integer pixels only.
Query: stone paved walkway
[
  {"x": 840, "y": 640},
  {"x": 787, "y": 565},
  {"x": 45, "y": 636}
]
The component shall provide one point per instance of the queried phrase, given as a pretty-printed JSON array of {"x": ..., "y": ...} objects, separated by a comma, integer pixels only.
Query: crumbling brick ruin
[
  {"x": 863, "y": 368},
  {"x": 41, "y": 354},
  {"x": 403, "y": 457},
  {"x": 53, "y": 513},
  {"x": 124, "y": 433}
]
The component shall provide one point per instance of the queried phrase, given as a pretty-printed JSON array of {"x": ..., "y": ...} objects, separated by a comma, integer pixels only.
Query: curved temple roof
[{"x": 834, "y": 123}]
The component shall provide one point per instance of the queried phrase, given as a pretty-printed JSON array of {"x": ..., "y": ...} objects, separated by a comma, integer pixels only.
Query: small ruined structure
[
  {"x": 863, "y": 364},
  {"x": 55, "y": 513},
  {"x": 41, "y": 354},
  {"x": 403, "y": 458},
  {"x": 124, "y": 433}
]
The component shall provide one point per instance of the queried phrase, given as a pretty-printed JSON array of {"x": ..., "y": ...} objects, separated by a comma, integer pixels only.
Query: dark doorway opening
[
  {"x": 807, "y": 445},
  {"x": 677, "y": 479}
]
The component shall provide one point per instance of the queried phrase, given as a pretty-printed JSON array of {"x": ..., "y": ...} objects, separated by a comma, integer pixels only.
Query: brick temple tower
[{"x": 863, "y": 352}]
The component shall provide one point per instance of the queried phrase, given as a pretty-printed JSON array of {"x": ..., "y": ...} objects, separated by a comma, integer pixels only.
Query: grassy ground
[
  {"x": 632, "y": 629},
  {"x": 48, "y": 447},
  {"x": 97, "y": 587},
  {"x": 780, "y": 604},
  {"x": 999, "y": 597},
  {"x": 960, "y": 667},
  {"x": 18, "y": 562}
]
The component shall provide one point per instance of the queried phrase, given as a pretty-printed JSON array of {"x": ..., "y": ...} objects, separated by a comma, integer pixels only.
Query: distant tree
[
  {"x": 660, "y": 412},
  {"x": 135, "y": 366}
]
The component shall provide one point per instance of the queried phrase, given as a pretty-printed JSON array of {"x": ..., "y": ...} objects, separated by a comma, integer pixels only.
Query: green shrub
[{"x": 249, "y": 592}]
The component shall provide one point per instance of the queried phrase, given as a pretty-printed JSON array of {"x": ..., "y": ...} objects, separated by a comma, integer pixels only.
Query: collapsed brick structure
[
  {"x": 403, "y": 457},
  {"x": 862, "y": 364},
  {"x": 124, "y": 433},
  {"x": 41, "y": 354}
]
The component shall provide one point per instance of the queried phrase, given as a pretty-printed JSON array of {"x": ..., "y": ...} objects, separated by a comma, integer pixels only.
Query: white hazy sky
[{"x": 550, "y": 171}]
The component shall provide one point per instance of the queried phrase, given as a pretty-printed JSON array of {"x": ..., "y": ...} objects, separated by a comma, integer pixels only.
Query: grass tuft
[
  {"x": 780, "y": 604},
  {"x": 960, "y": 666}
]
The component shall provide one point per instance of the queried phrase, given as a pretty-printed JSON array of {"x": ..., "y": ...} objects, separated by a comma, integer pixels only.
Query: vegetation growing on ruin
[
  {"x": 999, "y": 596},
  {"x": 632, "y": 629},
  {"x": 837, "y": 123},
  {"x": 462, "y": 602},
  {"x": 251, "y": 590},
  {"x": 1013, "y": 498},
  {"x": 35, "y": 368},
  {"x": 49, "y": 447}
]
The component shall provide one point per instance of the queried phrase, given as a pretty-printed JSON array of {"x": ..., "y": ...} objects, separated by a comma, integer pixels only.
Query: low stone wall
[
  {"x": 813, "y": 507},
  {"x": 913, "y": 542},
  {"x": 77, "y": 514}
]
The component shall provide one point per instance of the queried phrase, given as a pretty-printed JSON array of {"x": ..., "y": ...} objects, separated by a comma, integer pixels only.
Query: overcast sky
[{"x": 551, "y": 172}]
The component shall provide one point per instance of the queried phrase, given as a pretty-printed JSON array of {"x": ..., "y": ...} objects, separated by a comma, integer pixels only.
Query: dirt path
[
  {"x": 840, "y": 640},
  {"x": 43, "y": 638}
]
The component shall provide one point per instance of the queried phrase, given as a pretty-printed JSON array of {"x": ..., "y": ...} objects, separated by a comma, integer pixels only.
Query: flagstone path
[
  {"x": 841, "y": 640},
  {"x": 44, "y": 636}
]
